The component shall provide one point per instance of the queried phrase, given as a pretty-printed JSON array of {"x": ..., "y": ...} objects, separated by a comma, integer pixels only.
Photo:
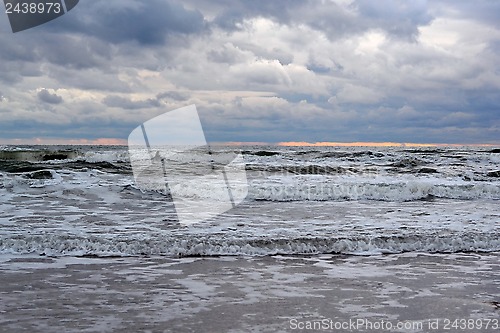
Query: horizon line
[{"x": 123, "y": 142}]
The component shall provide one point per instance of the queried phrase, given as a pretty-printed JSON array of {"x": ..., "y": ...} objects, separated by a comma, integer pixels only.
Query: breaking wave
[
  {"x": 224, "y": 245},
  {"x": 325, "y": 189}
]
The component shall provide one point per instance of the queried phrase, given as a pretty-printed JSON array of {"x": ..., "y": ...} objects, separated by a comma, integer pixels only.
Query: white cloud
[{"x": 358, "y": 94}]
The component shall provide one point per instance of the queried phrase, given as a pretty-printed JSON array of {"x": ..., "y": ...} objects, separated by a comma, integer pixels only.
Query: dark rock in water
[
  {"x": 427, "y": 170},
  {"x": 42, "y": 174},
  {"x": 494, "y": 174},
  {"x": 496, "y": 151}
]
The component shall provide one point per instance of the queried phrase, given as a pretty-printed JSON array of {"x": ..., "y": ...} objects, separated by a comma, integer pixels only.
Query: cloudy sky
[{"x": 257, "y": 70}]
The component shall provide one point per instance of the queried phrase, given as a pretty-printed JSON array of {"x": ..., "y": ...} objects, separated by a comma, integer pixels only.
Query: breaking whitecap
[{"x": 83, "y": 201}]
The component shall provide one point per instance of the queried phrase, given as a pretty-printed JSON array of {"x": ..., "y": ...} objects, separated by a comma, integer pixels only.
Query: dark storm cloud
[
  {"x": 232, "y": 13},
  {"x": 145, "y": 22},
  {"x": 20, "y": 51},
  {"x": 284, "y": 70},
  {"x": 398, "y": 18},
  {"x": 91, "y": 129},
  {"x": 9, "y": 74},
  {"x": 68, "y": 51},
  {"x": 45, "y": 96}
]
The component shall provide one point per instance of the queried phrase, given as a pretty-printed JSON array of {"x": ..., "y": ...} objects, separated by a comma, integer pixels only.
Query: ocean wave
[
  {"x": 33, "y": 179},
  {"x": 223, "y": 245},
  {"x": 46, "y": 155},
  {"x": 328, "y": 189},
  {"x": 285, "y": 175},
  {"x": 303, "y": 169},
  {"x": 20, "y": 167},
  {"x": 26, "y": 155}
]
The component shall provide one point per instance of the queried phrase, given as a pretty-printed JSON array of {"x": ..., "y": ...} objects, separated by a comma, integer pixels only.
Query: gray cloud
[
  {"x": 145, "y": 22},
  {"x": 261, "y": 70},
  {"x": 74, "y": 52},
  {"x": 480, "y": 10},
  {"x": 45, "y": 96},
  {"x": 229, "y": 14},
  {"x": 398, "y": 18},
  {"x": 173, "y": 95},
  {"x": 128, "y": 104}
]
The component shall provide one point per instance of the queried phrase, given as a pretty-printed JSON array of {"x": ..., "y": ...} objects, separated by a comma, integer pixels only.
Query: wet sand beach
[{"x": 386, "y": 293}]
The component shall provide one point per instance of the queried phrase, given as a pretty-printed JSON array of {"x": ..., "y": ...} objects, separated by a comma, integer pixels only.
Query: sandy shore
[{"x": 390, "y": 293}]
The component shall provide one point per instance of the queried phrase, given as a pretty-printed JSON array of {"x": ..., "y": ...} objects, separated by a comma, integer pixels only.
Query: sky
[{"x": 257, "y": 71}]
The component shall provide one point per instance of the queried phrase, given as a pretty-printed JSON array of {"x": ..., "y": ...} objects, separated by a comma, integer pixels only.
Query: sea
[
  {"x": 83, "y": 201},
  {"x": 309, "y": 211}
]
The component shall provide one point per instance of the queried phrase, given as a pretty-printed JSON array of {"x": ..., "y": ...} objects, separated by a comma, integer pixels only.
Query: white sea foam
[
  {"x": 19, "y": 182},
  {"x": 106, "y": 156},
  {"x": 299, "y": 202},
  {"x": 214, "y": 245},
  {"x": 323, "y": 188}
]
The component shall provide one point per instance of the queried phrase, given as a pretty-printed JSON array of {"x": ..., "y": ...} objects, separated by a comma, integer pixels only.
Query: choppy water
[{"x": 82, "y": 201}]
